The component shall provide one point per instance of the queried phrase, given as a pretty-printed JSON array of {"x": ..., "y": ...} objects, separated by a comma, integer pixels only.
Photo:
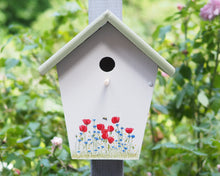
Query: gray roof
[{"x": 107, "y": 16}]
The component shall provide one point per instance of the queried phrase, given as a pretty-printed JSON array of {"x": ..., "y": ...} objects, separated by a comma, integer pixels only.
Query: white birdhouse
[{"x": 106, "y": 75}]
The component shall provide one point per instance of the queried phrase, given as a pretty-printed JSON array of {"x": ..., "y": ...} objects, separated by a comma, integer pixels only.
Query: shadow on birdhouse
[{"x": 106, "y": 75}]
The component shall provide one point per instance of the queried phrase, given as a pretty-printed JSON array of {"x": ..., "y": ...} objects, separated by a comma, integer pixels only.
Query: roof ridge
[{"x": 107, "y": 16}]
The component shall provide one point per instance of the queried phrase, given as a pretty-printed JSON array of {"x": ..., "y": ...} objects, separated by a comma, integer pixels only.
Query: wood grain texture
[
  {"x": 107, "y": 168},
  {"x": 97, "y": 7}
]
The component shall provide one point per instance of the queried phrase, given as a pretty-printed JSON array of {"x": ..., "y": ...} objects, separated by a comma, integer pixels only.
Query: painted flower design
[
  {"x": 104, "y": 138},
  {"x": 115, "y": 119},
  {"x": 105, "y": 135},
  {"x": 83, "y": 128},
  {"x": 129, "y": 130},
  {"x": 110, "y": 140},
  {"x": 100, "y": 126},
  {"x": 110, "y": 128},
  {"x": 104, "y": 131},
  {"x": 86, "y": 121}
]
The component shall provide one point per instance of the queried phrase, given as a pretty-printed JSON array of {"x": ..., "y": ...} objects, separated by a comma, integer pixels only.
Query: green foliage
[
  {"x": 21, "y": 12},
  {"x": 183, "y": 135}
]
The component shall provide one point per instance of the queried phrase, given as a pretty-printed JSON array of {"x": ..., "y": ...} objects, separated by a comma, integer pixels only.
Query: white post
[{"x": 96, "y": 8}]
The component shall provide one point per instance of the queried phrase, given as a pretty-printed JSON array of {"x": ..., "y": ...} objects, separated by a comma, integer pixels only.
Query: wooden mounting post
[{"x": 96, "y": 8}]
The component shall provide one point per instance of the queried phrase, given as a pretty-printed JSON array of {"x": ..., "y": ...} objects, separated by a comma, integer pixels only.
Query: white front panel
[{"x": 85, "y": 96}]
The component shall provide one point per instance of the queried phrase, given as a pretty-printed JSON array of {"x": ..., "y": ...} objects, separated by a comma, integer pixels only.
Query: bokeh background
[{"x": 182, "y": 137}]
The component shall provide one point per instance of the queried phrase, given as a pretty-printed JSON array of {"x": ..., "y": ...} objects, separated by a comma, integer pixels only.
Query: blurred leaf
[
  {"x": 35, "y": 141},
  {"x": 179, "y": 78},
  {"x": 174, "y": 170},
  {"x": 178, "y": 146},
  {"x": 198, "y": 58},
  {"x": 8, "y": 41},
  {"x": 30, "y": 47},
  {"x": 41, "y": 151},
  {"x": 179, "y": 98},
  {"x": 161, "y": 108},
  {"x": 24, "y": 139},
  {"x": 127, "y": 169},
  {"x": 217, "y": 81},
  {"x": 203, "y": 98},
  {"x": 185, "y": 71},
  {"x": 163, "y": 31},
  {"x": 64, "y": 155},
  {"x": 34, "y": 126},
  {"x": 45, "y": 162},
  {"x": 215, "y": 103},
  {"x": 189, "y": 89},
  {"x": 10, "y": 63}
]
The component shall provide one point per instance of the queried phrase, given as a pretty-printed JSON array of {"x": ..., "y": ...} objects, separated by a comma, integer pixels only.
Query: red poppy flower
[
  {"x": 110, "y": 128},
  {"x": 110, "y": 140},
  {"x": 104, "y": 131},
  {"x": 105, "y": 135},
  {"x": 129, "y": 130},
  {"x": 115, "y": 119},
  {"x": 83, "y": 128},
  {"x": 86, "y": 121},
  {"x": 100, "y": 126}
]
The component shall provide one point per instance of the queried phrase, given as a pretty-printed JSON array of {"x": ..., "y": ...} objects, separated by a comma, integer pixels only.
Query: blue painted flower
[
  {"x": 117, "y": 125},
  {"x": 95, "y": 150},
  {"x": 122, "y": 128},
  {"x": 133, "y": 136},
  {"x": 119, "y": 146},
  {"x": 121, "y": 134},
  {"x": 98, "y": 131},
  {"x": 93, "y": 120},
  {"x": 129, "y": 135},
  {"x": 116, "y": 140},
  {"x": 89, "y": 139},
  {"x": 113, "y": 147},
  {"x": 120, "y": 140},
  {"x": 80, "y": 133},
  {"x": 79, "y": 140},
  {"x": 94, "y": 131},
  {"x": 89, "y": 151},
  {"x": 86, "y": 142},
  {"x": 123, "y": 150},
  {"x": 98, "y": 147},
  {"x": 96, "y": 138},
  {"x": 94, "y": 126},
  {"x": 102, "y": 146},
  {"x": 118, "y": 132},
  {"x": 78, "y": 151}
]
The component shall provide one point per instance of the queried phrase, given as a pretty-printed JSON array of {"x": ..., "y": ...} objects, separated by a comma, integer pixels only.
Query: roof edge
[
  {"x": 107, "y": 16},
  {"x": 142, "y": 45},
  {"x": 74, "y": 43}
]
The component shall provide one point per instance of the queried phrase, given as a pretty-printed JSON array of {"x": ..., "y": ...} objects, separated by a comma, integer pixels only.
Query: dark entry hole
[{"x": 107, "y": 64}]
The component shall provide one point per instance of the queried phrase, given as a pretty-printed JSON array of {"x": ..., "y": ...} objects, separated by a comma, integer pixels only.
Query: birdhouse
[{"x": 106, "y": 76}]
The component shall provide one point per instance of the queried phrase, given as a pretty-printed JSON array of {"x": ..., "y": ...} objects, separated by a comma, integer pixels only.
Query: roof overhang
[{"x": 107, "y": 16}]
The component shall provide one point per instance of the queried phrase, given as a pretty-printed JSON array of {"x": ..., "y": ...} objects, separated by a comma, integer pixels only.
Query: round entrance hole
[{"x": 107, "y": 64}]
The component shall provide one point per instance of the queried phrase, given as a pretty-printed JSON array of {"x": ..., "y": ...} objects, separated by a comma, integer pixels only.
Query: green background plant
[{"x": 182, "y": 137}]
